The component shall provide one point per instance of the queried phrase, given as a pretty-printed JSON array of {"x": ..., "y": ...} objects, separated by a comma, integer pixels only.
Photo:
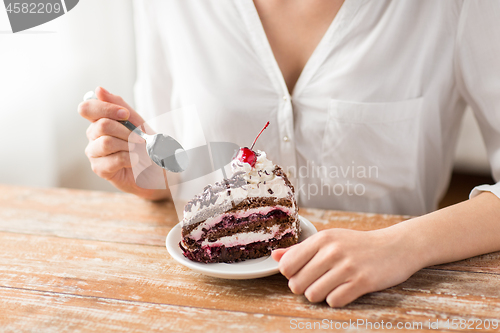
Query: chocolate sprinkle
[
  {"x": 212, "y": 192},
  {"x": 205, "y": 202}
]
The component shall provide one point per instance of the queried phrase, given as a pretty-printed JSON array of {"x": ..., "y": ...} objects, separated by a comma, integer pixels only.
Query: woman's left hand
[{"x": 340, "y": 265}]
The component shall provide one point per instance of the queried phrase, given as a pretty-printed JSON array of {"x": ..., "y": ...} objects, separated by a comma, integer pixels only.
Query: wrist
[
  {"x": 407, "y": 245},
  {"x": 422, "y": 240}
]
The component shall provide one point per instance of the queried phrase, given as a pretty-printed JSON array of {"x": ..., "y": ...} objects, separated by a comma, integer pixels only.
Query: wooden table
[{"x": 91, "y": 261}]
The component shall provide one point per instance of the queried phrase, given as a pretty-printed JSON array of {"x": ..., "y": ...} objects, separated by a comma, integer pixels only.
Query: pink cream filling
[
  {"x": 247, "y": 238},
  {"x": 209, "y": 223}
]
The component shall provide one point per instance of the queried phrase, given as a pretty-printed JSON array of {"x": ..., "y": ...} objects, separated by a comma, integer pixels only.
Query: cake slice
[{"x": 243, "y": 217}]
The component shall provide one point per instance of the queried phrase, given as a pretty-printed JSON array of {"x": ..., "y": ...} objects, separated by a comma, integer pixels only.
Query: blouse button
[
  {"x": 286, "y": 139},
  {"x": 285, "y": 97}
]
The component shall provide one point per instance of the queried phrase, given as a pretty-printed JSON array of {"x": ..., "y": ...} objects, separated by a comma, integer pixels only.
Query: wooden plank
[
  {"x": 34, "y": 311},
  {"x": 325, "y": 219},
  {"x": 148, "y": 274},
  {"x": 486, "y": 263},
  {"x": 28, "y": 310},
  {"x": 80, "y": 214},
  {"x": 106, "y": 205},
  {"x": 123, "y": 218}
]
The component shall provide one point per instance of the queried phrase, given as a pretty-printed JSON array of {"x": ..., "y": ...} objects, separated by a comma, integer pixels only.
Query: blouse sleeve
[
  {"x": 153, "y": 86},
  {"x": 477, "y": 63}
]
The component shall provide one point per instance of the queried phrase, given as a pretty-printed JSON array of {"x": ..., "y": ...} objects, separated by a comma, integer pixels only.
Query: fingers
[
  {"x": 94, "y": 110},
  {"x": 107, "y": 145},
  {"x": 325, "y": 284},
  {"x": 338, "y": 265},
  {"x": 278, "y": 253},
  {"x": 105, "y": 96},
  {"x": 109, "y": 127},
  {"x": 296, "y": 257},
  {"x": 324, "y": 260},
  {"x": 344, "y": 294},
  {"x": 106, "y": 167}
]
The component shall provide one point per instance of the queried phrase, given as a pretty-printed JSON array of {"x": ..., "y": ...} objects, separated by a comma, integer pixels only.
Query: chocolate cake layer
[
  {"x": 230, "y": 221},
  {"x": 248, "y": 203},
  {"x": 212, "y": 235},
  {"x": 284, "y": 223},
  {"x": 239, "y": 253}
]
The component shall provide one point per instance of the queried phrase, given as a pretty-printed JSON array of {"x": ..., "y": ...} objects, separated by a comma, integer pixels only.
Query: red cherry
[{"x": 245, "y": 155}]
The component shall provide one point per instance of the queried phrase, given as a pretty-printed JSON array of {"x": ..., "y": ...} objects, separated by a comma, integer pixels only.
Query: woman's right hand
[{"x": 108, "y": 148}]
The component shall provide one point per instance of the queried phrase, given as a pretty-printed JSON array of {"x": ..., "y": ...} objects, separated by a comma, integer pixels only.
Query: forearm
[{"x": 457, "y": 232}]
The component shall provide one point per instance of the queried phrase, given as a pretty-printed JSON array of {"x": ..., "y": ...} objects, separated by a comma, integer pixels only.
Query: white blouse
[{"x": 373, "y": 120}]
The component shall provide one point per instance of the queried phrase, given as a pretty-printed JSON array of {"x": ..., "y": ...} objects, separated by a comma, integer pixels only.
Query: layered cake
[{"x": 243, "y": 217}]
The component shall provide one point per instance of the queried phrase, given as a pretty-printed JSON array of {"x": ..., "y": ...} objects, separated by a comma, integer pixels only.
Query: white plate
[{"x": 248, "y": 269}]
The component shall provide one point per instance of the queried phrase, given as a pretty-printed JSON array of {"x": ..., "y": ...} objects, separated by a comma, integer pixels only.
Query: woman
[{"x": 371, "y": 93}]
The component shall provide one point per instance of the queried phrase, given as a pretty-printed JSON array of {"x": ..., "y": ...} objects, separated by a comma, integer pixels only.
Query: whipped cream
[
  {"x": 246, "y": 181},
  {"x": 261, "y": 179}
]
